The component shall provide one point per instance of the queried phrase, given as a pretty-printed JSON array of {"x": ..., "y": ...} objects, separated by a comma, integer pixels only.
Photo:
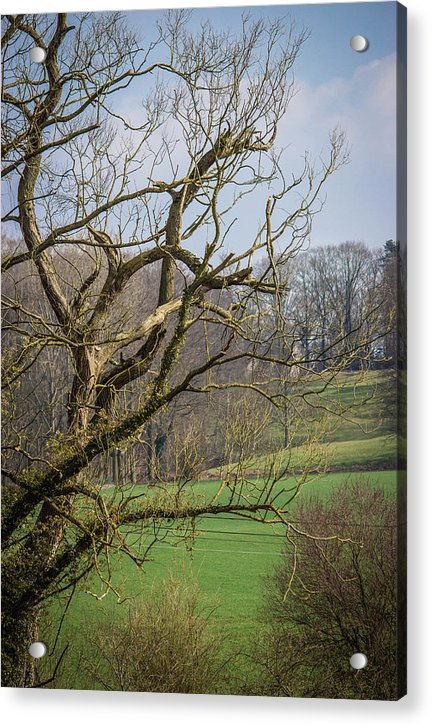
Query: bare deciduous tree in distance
[{"x": 83, "y": 181}]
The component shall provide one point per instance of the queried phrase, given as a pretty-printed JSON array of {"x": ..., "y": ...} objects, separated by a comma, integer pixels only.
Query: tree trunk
[
  {"x": 22, "y": 577},
  {"x": 20, "y": 617},
  {"x": 19, "y": 631}
]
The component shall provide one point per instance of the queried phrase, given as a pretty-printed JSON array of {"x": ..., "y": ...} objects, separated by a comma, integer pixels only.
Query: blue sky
[
  {"x": 336, "y": 86},
  {"x": 339, "y": 86}
]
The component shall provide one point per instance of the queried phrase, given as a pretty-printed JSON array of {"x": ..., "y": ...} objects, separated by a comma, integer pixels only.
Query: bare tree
[
  {"x": 335, "y": 285},
  {"x": 98, "y": 199}
]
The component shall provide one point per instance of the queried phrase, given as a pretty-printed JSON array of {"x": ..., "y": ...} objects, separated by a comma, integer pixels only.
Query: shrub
[
  {"x": 334, "y": 594},
  {"x": 167, "y": 644}
]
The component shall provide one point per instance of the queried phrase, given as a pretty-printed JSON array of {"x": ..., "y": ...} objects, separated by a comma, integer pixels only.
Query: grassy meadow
[{"x": 228, "y": 557}]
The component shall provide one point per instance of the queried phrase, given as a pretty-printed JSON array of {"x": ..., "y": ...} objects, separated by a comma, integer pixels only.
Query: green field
[{"x": 228, "y": 557}]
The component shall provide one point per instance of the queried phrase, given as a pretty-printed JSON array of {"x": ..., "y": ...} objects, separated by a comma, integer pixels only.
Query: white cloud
[
  {"x": 364, "y": 105},
  {"x": 361, "y": 197}
]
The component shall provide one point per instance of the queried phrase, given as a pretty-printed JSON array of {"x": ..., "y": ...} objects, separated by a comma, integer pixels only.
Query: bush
[
  {"x": 334, "y": 594},
  {"x": 167, "y": 645}
]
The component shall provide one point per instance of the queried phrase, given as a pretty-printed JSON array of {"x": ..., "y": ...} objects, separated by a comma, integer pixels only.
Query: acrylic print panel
[{"x": 204, "y": 351}]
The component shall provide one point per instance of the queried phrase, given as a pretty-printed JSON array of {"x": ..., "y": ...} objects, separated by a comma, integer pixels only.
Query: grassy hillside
[
  {"x": 363, "y": 438},
  {"x": 367, "y": 454}
]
